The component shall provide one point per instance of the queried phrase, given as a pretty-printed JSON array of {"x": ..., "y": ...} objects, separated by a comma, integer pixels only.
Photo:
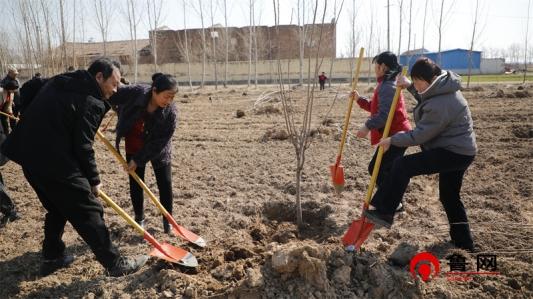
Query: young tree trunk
[
  {"x": 440, "y": 32},
  {"x": 388, "y": 25},
  {"x": 334, "y": 55},
  {"x": 63, "y": 37},
  {"x": 250, "y": 45},
  {"x": 74, "y": 16},
  {"x": 204, "y": 58},
  {"x": 472, "y": 45},
  {"x": 400, "y": 28},
  {"x": 227, "y": 43},
  {"x": 214, "y": 35},
  {"x": 187, "y": 57},
  {"x": 255, "y": 48},
  {"x": 525, "y": 49},
  {"x": 370, "y": 38},
  {"x": 424, "y": 25}
]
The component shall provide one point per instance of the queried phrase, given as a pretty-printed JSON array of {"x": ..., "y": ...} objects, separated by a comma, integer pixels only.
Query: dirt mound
[
  {"x": 523, "y": 132},
  {"x": 239, "y": 113},
  {"x": 267, "y": 109},
  {"x": 521, "y": 94},
  {"x": 274, "y": 134}
]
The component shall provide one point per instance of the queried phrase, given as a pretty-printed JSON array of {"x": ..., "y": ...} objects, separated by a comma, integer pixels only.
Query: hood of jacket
[
  {"x": 80, "y": 81},
  {"x": 447, "y": 82}
]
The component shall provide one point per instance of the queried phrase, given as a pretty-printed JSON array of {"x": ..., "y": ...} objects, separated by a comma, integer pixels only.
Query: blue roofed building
[{"x": 456, "y": 60}]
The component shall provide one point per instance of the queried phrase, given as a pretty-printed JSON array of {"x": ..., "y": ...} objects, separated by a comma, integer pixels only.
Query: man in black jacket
[
  {"x": 53, "y": 144},
  {"x": 10, "y": 98}
]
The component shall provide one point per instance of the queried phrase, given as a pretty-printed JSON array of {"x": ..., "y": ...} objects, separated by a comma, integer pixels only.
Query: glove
[{"x": 403, "y": 81}]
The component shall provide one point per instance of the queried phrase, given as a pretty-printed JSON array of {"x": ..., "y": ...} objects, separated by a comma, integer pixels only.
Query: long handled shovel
[
  {"x": 163, "y": 251},
  {"x": 336, "y": 170},
  {"x": 360, "y": 229},
  {"x": 177, "y": 229},
  {"x": 9, "y": 115}
]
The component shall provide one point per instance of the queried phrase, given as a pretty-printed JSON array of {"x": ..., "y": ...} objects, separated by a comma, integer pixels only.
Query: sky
[{"x": 501, "y": 22}]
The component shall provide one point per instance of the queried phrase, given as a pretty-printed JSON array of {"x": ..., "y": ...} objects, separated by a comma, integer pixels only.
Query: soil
[{"x": 233, "y": 183}]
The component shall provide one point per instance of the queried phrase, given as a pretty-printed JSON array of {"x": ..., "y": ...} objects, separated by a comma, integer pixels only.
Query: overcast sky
[{"x": 501, "y": 22}]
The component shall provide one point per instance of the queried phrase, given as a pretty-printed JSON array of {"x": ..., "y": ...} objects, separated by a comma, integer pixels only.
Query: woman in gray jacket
[{"x": 444, "y": 131}]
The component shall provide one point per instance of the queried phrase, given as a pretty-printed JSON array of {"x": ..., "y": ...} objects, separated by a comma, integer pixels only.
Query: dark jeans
[
  {"x": 322, "y": 83},
  {"x": 450, "y": 167},
  {"x": 163, "y": 176},
  {"x": 7, "y": 207},
  {"x": 386, "y": 162},
  {"x": 4, "y": 120},
  {"x": 72, "y": 200},
  {"x": 13, "y": 122}
]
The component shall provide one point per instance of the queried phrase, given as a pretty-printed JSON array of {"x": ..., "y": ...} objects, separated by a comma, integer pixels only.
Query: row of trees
[{"x": 40, "y": 29}]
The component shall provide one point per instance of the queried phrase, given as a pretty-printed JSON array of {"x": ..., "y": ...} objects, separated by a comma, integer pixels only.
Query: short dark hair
[
  {"x": 103, "y": 65},
  {"x": 162, "y": 82},
  {"x": 389, "y": 59},
  {"x": 425, "y": 69}
]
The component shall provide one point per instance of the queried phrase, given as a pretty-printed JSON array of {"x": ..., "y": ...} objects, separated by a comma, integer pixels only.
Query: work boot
[
  {"x": 127, "y": 264},
  {"x": 379, "y": 219},
  {"x": 50, "y": 266},
  {"x": 12, "y": 216},
  {"x": 140, "y": 222},
  {"x": 461, "y": 236},
  {"x": 166, "y": 226}
]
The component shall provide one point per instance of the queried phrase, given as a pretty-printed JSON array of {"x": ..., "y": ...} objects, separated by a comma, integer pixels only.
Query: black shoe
[
  {"x": 166, "y": 226},
  {"x": 127, "y": 265},
  {"x": 380, "y": 220},
  {"x": 400, "y": 208},
  {"x": 140, "y": 222},
  {"x": 50, "y": 266}
]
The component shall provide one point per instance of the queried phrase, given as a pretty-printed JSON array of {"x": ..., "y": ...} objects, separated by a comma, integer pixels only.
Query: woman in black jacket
[{"x": 147, "y": 119}]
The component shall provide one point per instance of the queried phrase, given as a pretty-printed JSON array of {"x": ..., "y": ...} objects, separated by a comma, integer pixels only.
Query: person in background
[
  {"x": 10, "y": 99},
  {"x": 147, "y": 118},
  {"x": 7, "y": 207},
  {"x": 444, "y": 131},
  {"x": 386, "y": 70},
  {"x": 53, "y": 143},
  {"x": 322, "y": 80}
]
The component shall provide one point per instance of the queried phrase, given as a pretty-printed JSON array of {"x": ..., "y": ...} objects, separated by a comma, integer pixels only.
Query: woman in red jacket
[{"x": 386, "y": 68}]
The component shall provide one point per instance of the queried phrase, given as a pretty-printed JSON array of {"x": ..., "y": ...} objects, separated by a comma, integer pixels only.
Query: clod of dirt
[
  {"x": 521, "y": 94},
  {"x": 274, "y": 134},
  {"x": 185, "y": 96},
  {"x": 523, "y": 132},
  {"x": 302, "y": 260},
  {"x": 403, "y": 254},
  {"x": 327, "y": 122},
  {"x": 342, "y": 275},
  {"x": 239, "y": 113},
  {"x": 237, "y": 253},
  {"x": 520, "y": 87},
  {"x": 497, "y": 94},
  {"x": 268, "y": 109},
  {"x": 254, "y": 278},
  {"x": 244, "y": 94}
]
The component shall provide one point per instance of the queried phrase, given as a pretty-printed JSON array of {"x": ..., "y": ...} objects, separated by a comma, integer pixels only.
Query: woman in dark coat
[{"x": 147, "y": 119}]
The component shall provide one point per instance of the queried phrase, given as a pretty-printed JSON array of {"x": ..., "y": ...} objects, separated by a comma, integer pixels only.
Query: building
[
  {"x": 272, "y": 43},
  {"x": 119, "y": 50},
  {"x": 456, "y": 60}
]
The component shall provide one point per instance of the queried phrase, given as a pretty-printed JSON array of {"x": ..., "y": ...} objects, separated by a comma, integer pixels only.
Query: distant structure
[
  {"x": 171, "y": 43},
  {"x": 118, "y": 50},
  {"x": 456, "y": 60}
]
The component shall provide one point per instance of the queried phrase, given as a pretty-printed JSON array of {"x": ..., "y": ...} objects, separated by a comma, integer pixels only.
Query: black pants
[
  {"x": 7, "y": 207},
  {"x": 450, "y": 167},
  {"x": 163, "y": 176},
  {"x": 72, "y": 200},
  {"x": 4, "y": 120},
  {"x": 13, "y": 122},
  {"x": 322, "y": 83},
  {"x": 386, "y": 162}
]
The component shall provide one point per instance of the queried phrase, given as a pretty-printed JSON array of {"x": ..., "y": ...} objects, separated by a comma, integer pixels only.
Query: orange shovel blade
[
  {"x": 174, "y": 255},
  {"x": 357, "y": 233},
  {"x": 337, "y": 177}
]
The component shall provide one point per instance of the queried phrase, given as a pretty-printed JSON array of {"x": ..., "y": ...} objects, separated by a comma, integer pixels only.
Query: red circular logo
[{"x": 424, "y": 261}]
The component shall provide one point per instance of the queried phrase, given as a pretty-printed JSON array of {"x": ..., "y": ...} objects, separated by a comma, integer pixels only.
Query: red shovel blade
[
  {"x": 357, "y": 233},
  {"x": 337, "y": 177},
  {"x": 174, "y": 255}
]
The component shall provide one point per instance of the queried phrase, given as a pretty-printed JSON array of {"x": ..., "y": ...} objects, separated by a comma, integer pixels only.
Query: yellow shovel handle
[
  {"x": 375, "y": 171},
  {"x": 132, "y": 173},
  {"x": 350, "y": 102},
  {"x": 121, "y": 212}
]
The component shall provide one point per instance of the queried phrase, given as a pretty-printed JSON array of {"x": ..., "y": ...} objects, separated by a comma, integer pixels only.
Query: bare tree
[
  {"x": 63, "y": 35},
  {"x": 200, "y": 12},
  {"x": 133, "y": 21},
  {"x": 525, "y": 48},
  {"x": 409, "y": 33},
  {"x": 388, "y": 25},
  {"x": 187, "y": 56},
  {"x": 250, "y": 41},
  {"x": 104, "y": 15},
  {"x": 335, "y": 21},
  {"x": 440, "y": 32},
  {"x": 154, "y": 17},
  {"x": 214, "y": 36},
  {"x": 74, "y": 16},
  {"x": 472, "y": 44},
  {"x": 227, "y": 42},
  {"x": 302, "y": 38},
  {"x": 400, "y": 28},
  {"x": 370, "y": 38},
  {"x": 424, "y": 25},
  {"x": 299, "y": 137}
]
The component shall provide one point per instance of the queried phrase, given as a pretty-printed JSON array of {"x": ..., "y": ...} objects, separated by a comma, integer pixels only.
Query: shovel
[
  {"x": 9, "y": 115},
  {"x": 336, "y": 170},
  {"x": 360, "y": 229},
  {"x": 163, "y": 251},
  {"x": 178, "y": 230}
]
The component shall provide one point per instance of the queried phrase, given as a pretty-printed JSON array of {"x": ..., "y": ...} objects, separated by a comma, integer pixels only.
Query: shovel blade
[
  {"x": 174, "y": 255},
  {"x": 357, "y": 233},
  {"x": 337, "y": 177}
]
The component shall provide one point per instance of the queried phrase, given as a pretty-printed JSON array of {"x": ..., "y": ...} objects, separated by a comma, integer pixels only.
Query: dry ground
[{"x": 233, "y": 183}]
